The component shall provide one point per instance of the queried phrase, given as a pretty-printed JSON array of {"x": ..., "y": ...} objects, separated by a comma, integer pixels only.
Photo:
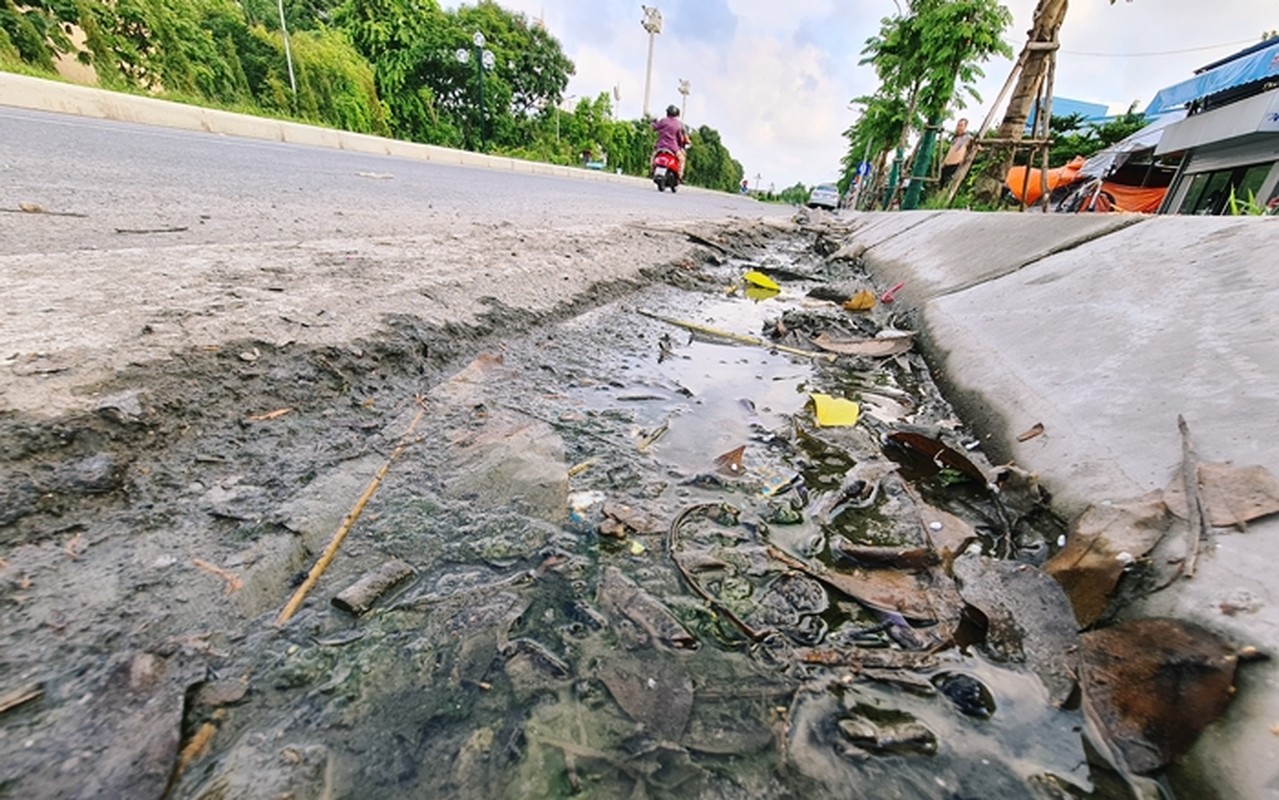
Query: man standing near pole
[{"x": 955, "y": 156}]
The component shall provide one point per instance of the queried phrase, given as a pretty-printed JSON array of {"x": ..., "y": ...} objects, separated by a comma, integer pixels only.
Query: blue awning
[{"x": 1252, "y": 67}]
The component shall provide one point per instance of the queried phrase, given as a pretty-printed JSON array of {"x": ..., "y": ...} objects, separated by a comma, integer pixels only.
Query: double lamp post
[{"x": 484, "y": 59}]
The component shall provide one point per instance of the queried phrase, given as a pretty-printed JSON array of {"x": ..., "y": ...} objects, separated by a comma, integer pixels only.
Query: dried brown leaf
[
  {"x": 731, "y": 462},
  {"x": 879, "y": 347},
  {"x": 941, "y": 454},
  {"x": 1100, "y": 546},
  {"x": 1031, "y": 432},
  {"x": 1231, "y": 495},
  {"x": 1152, "y": 685}
]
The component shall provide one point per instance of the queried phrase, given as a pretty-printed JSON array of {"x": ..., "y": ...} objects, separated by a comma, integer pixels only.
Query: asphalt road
[{"x": 104, "y": 182}]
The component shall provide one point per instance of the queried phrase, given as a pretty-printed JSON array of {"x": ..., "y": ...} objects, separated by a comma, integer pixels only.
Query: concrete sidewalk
[{"x": 1105, "y": 329}]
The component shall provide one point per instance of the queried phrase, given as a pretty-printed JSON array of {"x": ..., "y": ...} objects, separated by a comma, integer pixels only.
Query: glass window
[
  {"x": 1250, "y": 183},
  {"x": 1224, "y": 191},
  {"x": 1212, "y": 195},
  {"x": 1196, "y": 190}
]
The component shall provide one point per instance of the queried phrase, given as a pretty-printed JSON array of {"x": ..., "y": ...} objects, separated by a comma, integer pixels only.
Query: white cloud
[{"x": 778, "y": 91}]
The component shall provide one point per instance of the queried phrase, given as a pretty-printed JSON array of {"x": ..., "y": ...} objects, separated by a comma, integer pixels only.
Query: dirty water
[{"x": 603, "y": 596}]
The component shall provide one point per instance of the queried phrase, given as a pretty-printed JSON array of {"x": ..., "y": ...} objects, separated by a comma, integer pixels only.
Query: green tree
[
  {"x": 710, "y": 165},
  {"x": 930, "y": 58},
  {"x": 872, "y": 136}
]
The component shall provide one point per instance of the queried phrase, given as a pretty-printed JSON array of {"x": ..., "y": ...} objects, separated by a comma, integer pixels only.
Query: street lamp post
[
  {"x": 652, "y": 23},
  {"x": 684, "y": 89},
  {"x": 557, "y": 117},
  {"x": 484, "y": 59},
  {"x": 288, "y": 54}
]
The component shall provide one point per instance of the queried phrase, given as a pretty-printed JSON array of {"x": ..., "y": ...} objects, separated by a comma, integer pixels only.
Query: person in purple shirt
[{"x": 671, "y": 136}]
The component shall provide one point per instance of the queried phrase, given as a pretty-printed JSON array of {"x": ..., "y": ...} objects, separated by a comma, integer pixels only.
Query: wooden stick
[
  {"x": 1194, "y": 505},
  {"x": 348, "y": 521},
  {"x": 735, "y": 337},
  {"x": 19, "y": 697}
]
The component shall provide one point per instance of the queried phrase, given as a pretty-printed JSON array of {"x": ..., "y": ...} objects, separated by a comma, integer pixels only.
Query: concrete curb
[
  {"x": 40, "y": 94},
  {"x": 1105, "y": 328}
]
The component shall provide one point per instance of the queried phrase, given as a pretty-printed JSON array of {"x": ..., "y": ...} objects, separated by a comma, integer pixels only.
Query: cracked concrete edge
[
  {"x": 40, "y": 94},
  {"x": 940, "y": 252}
]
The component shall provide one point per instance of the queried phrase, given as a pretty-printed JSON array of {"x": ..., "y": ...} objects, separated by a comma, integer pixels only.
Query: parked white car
[{"x": 824, "y": 195}]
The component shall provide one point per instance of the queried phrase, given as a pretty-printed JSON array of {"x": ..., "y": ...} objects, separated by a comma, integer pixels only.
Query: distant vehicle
[{"x": 824, "y": 195}]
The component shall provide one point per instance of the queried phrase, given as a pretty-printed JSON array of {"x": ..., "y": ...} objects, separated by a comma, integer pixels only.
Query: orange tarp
[
  {"x": 1134, "y": 198},
  {"x": 1060, "y": 176},
  {"x": 1137, "y": 199}
]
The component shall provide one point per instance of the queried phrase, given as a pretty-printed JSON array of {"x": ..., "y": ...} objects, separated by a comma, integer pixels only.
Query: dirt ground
[
  {"x": 181, "y": 437},
  {"x": 162, "y": 408}
]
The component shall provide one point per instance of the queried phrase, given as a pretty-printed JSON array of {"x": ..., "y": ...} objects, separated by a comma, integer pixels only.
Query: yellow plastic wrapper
[
  {"x": 834, "y": 412},
  {"x": 757, "y": 278}
]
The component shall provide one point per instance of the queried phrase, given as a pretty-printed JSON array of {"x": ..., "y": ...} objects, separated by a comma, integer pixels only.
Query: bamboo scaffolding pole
[{"x": 331, "y": 551}]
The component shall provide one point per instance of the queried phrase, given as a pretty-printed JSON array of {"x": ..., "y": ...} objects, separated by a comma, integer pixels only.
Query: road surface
[{"x": 227, "y": 190}]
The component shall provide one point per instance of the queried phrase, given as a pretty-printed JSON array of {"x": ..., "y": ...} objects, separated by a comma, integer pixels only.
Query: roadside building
[{"x": 1228, "y": 143}]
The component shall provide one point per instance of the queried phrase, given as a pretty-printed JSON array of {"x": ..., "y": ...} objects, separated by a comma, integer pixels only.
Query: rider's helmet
[{"x": 672, "y": 111}]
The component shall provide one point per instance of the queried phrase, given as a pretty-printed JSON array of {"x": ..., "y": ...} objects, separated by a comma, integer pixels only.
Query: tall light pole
[
  {"x": 557, "y": 116},
  {"x": 288, "y": 54},
  {"x": 652, "y": 23},
  {"x": 484, "y": 59},
  {"x": 684, "y": 89}
]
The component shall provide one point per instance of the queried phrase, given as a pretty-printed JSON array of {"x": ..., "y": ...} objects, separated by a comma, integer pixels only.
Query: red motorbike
[{"x": 665, "y": 170}]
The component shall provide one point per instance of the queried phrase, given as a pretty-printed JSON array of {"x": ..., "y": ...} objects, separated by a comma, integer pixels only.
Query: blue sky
[{"x": 775, "y": 77}]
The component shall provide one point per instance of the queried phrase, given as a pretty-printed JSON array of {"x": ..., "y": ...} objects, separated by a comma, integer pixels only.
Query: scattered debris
[
  {"x": 269, "y": 415},
  {"x": 1101, "y": 547},
  {"x": 36, "y": 208},
  {"x": 735, "y": 337},
  {"x": 1030, "y": 433},
  {"x": 331, "y": 551},
  {"x": 834, "y": 411},
  {"x": 359, "y": 597},
  {"x": 175, "y": 229},
  {"x": 757, "y": 278},
  {"x": 233, "y": 582},
  {"x": 891, "y": 295},
  {"x": 862, "y": 300},
  {"x": 1151, "y": 686},
  {"x": 884, "y": 345},
  {"x": 20, "y": 697}
]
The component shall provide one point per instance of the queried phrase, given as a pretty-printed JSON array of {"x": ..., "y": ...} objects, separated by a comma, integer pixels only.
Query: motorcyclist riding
[{"x": 672, "y": 136}]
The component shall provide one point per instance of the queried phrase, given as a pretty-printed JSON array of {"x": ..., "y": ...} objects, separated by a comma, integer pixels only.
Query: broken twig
[
  {"x": 233, "y": 582},
  {"x": 279, "y": 412},
  {"x": 735, "y": 337},
  {"x": 1194, "y": 504},
  {"x": 348, "y": 521},
  {"x": 36, "y": 208},
  {"x": 178, "y": 229},
  {"x": 20, "y": 697},
  {"x": 197, "y": 746},
  {"x": 672, "y": 543},
  {"x": 360, "y": 596}
]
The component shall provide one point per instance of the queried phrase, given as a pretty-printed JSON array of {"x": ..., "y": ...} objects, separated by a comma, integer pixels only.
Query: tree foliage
[
  {"x": 388, "y": 67},
  {"x": 928, "y": 61}
]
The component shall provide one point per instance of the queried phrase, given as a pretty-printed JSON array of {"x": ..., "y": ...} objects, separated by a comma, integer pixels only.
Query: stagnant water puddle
[{"x": 642, "y": 568}]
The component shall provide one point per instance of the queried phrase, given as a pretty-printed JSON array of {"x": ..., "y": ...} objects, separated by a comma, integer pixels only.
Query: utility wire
[{"x": 1161, "y": 52}]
